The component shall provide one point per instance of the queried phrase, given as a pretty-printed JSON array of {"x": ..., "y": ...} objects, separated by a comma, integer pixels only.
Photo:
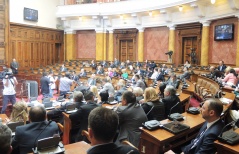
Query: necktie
[{"x": 195, "y": 141}]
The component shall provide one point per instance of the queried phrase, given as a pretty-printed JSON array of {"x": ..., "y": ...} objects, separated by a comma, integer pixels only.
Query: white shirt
[
  {"x": 52, "y": 80},
  {"x": 10, "y": 89},
  {"x": 154, "y": 75}
]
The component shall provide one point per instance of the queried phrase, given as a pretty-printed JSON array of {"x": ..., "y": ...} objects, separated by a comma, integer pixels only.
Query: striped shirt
[{"x": 65, "y": 84}]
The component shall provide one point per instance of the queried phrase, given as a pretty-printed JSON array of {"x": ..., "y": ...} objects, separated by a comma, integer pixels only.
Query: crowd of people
[{"x": 109, "y": 128}]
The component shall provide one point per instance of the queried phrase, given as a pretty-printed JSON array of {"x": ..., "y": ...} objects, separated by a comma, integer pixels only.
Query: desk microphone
[
  {"x": 175, "y": 116},
  {"x": 35, "y": 141}
]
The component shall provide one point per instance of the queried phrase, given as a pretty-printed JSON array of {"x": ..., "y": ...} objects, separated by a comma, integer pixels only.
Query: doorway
[
  {"x": 190, "y": 50},
  {"x": 126, "y": 51}
]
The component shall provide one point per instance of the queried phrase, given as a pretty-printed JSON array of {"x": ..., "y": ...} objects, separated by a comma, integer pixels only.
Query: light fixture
[
  {"x": 121, "y": 17},
  {"x": 180, "y": 8},
  {"x": 150, "y": 13},
  {"x": 213, "y": 1}
]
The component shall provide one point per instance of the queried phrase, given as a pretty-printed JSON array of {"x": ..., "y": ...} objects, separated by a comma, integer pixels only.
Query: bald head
[{"x": 37, "y": 114}]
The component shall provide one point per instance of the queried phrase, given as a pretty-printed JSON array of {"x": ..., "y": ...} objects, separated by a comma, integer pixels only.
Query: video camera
[{"x": 4, "y": 73}]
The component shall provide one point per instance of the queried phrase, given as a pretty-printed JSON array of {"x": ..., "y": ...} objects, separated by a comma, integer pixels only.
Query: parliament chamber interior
[{"x": 119, "y": 76}]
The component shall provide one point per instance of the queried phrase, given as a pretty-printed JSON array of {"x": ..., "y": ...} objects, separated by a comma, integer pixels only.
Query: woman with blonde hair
[
  {"x": 95, "y": 91},
  {"x": 19, "y": 112},
  {"x": 153, "y": 108}
]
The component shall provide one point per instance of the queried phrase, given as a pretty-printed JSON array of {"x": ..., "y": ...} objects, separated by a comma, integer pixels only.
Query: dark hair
[
  {"x": 233, "y": 72},
  {"x": 44, "y": 74},
  {"x": 104, "y": 95},
  {"x": 5, "y": 138},
  {"x": 67, "y": 74},
  {"x": 216, "y": 106},
  {"x": 88, "y": 95},
  {"x": 37, "y": 114},
  {"x": 78, "y": 97},
  {"x": 104, "y": 123},
  {"x": 137, "y": 76},
  {"x": 129, "y": 97},
  {"x": 156, "y": 69}
]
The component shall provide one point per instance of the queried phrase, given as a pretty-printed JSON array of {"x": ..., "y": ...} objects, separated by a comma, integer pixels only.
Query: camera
[{"x": 4, "y": 73}]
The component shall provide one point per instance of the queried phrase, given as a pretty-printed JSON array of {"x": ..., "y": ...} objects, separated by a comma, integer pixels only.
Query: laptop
[
  {"x": 112, "y": 101},
  {"x": 70, "y": 108},
  {"x": 175, "y": 127},
  {"x": 60, "y": 99},
  {"x": 48, "y": 104},
  {"x": 13, "y": 125}
]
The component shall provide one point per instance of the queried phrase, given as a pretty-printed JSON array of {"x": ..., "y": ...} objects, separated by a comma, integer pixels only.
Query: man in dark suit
[
  {"x": 104, "y": 64},
  {"x": 74, "y": 76},
  {"x": 82, "y": 73},
  {"x": 26, "y": 136},
  {"x": 204, "y": 142},
  {"x": 93, "y": 64},
  {"x": 112, "y": 65},
  {"x": 139, "y": 82},
  {"x": 45, "y": 83},
  {"x": 81, "y": 115},
  {"x": 138, "y": 64},
  {"x": 185, "y": 75},
  {"x": 121, "y": 89},
  {"x": 170, "y": 99},
  {"x": 5, "y": 139},
  {"x": 100, "y": 70},
  {"x": 160, "y": 76},
  {"x": 103, "y": 124},
  {"x": 63, "y": 68},
  {"x": 172, "y": 81},
  {"x": 129, "y": 121},
  {"x": 152, "y": 65},
  {"x": 214, "y": 73},
  {"x": 91, "y": 81},
  {"x": 116, "y": 62},
  {"x": 140, "y": 71},
  {"x": 14, "y": 66},
  {"x": 221, "y": 66}
]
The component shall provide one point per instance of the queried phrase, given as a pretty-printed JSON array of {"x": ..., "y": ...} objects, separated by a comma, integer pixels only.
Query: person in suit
[
  {"x": 91, "y": 81},
  {"x": 214, "y": 73},
  {"x": 121, "y": 89},
  {"x": 160, "y": 76},
  {"x": 100, "y": 70},
  {"x": 5, "y": 139},
  {"x": 104, "y": 64},
  {"x": 116, "y": 62},
  {"x": 81, "y": 115},
  {"x": 138, "y": 64},
  {"x": 185, "y": 75},
  {"x": 122, "y": 65},
  {"x": 140, "y": 71},
  {"x": 63, "y": 68},
  {"x": 45, "y": 85},
  {"x": 149, "y": 72},
  {"x": 130, "y": 122},
  {"x": 128, "y": 63},
  {"x": 82, "y": 73},
  {"x": 26, "y": 136},
  {"x": 139, "y": 94},
  {"x": 155, "y": 74},
  {"x": 139, "y": 82},
  {"x": 112, "y": 65},
  {"x": 221, "y": 66},
  {"x": 107, "y": 86},
  {"x": 204, "y": 142},
  {"x": 103, "y": 124},
  {"x": 170, "y": 99},
  {"x": 153, "y": 108},
  {"x": 14, "y": 66},
  {"x": 172, "y": 81},
  {"x": 152, "y": 65},
  {"x": 93, "y": 64},
  {"x": 115, "y": 73},
  {"x": 74, "y": 76}
]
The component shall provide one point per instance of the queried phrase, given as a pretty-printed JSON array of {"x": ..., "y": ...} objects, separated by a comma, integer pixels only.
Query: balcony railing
[{"x": 73, "y": 2}]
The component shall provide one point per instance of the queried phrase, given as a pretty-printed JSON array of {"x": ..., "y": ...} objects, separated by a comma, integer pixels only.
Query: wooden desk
[
  {"x": 67, "y": 128},
  {"x": 77, "y": 148},
  {"x": 3, "y": 117},
  {"x": 225, "y": 148},
  {"x": 159, "y": 141}
]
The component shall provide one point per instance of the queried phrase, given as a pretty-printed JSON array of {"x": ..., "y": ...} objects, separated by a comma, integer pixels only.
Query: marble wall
[
  {"x": 86, "y": 44},
  {"x": 156, "y": 43},
  {"x": 223, "y": 50}
]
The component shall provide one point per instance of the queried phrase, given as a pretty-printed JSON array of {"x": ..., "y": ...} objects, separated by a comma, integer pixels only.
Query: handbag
[{"x": 152, "y": 124}]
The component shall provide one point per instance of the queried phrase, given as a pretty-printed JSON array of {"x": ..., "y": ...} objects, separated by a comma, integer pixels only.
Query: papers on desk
[{"x": 225, "y": 100}]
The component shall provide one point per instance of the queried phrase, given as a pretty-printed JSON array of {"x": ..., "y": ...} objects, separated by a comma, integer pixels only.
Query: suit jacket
[
  {"x": 169, "y": 102},
  {"x": 206, "y": 142},
  {"x": 120, "y": 92},
  {"x": 93, "y": 65},
  {"x": 45, "y": 81},
  {"x": 92, "y": 82},
  {"x": 81, "y": 117},
  {"x": 138, "y": 64},
  {"x": 14, "y": 65},
  {"x": 101, "y": 71},
  {"x": 63, "y": 69},
  {"x": 112, "y": 148},
  {"x": 108, "y": 87},
  {"x": 75, "y": 78},
  {"x": 113, "y": 66},
  {"x": 130, "y": 122},
  {"x": 25, "y": 136},
  {"x": 154, "y": 110},
  {"x": 160, "y": 77},
  {"x": 222, "y": 68},
  {"x": 185, "y": 75},
  {"x": 83, "y": 74},
  {"x": 104, "y": 64}
]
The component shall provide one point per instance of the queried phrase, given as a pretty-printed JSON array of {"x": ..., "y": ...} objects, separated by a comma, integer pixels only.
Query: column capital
[
  {"x": 141, "y": 29},
  {"x": 171, "y": 26},
  {"x": 205, "y": 23},
  {"x": 69, "y": 31}
]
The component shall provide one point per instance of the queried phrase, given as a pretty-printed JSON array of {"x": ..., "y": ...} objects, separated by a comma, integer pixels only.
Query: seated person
[
  {"x": 170, "y": 99},
  {"x": 74, "y": 76},
  {"x": 153, "y": 108},
  {"x": 221, "y": 66},
  {"x": 92, "y": 80},
  {"x": 116, "y": 62},
  {"x": 103, "y": 125},
  {"x": 140, "y": 71},
  {"x": 187, "y": 64},
  {"x": 171, "y": 81},
  {"x": 104, "y": 64},
  {"x": 138, "y": 64},
  {"x": 80, "y": 117},
  {"x": 115, "y": 73},
  {"x": 149, "y": 72},
  {"x": 152, "y": 65},
  {"x": 122, "y": 65},
  {"x": 26, "y": 136},
  {"x": 139, "y": 82},
  {"x": 95, "y": 91},
  {"x": 93, "y": 64},
  {"x": 112, "y": 65},
  {"x": 104, "y": 95},
  {"x": 231, "y": 78},
  {"x": 5, "y": 139},
  {"x": 129, "y": 122},
  {"x": 138, "y": 93},
  {"x": 204, "y": 142},
  {"x": 110, "y": 72},
  {"x": 63, "y": 68},
  {"x": 82, "y": 73},
  {"x": 214, "y": 73},
  {"x": 160, "y": 76},
  {"x": 19, "y": 113},
  {"x": 100, "y": 70},
  {"x": 107, "y": 86},
  {"x": 121, "y": 89},
  {"x": 155, "y": 74},
  {"x": 124, "y": 74},
  {"x": 185, "y": 75},
  {"x": 128, "y": 63}
]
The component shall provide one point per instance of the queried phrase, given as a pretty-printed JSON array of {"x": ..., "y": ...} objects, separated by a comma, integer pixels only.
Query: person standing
[
  {"x": 9, "y": 93},
  {"x": 52, "y": 84},
  {"x": 45, "y": 84},
  {"x": 14, "y": 66}
]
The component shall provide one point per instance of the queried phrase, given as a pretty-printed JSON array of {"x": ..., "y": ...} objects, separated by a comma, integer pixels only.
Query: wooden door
[
  {"x": 126, "y": 50},
  {"x": 189, "y": 44}
]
